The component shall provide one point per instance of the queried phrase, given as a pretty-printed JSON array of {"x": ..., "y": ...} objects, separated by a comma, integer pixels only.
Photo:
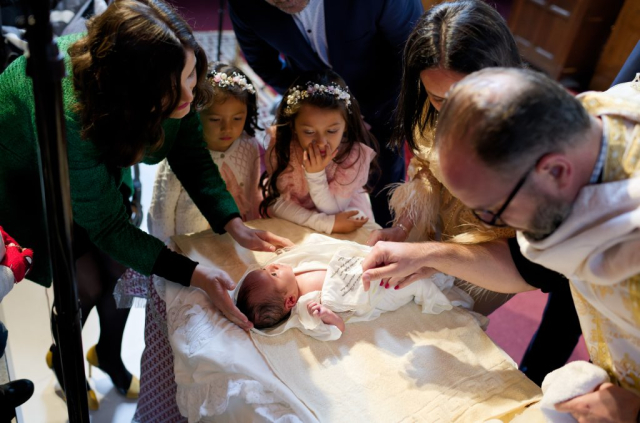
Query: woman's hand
[
  {"x": 313, "y": 160},
  {"x": 398, "y": 233},
  {"x": 255, "y": 239},
  {"x": 216, "y": 283},
  {"x": 346, "y": 223},
  {"x": 395, "y": 264},
  {"x": 393, "y": 234}
]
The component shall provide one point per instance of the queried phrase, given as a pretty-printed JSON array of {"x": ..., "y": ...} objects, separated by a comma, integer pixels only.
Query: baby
[{"x": 309, "y": 285}]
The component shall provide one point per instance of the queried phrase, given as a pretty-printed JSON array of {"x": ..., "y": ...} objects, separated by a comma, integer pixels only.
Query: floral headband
[
  {"x": 300, "y": 92},
  {"x": 223, "y": 80}
]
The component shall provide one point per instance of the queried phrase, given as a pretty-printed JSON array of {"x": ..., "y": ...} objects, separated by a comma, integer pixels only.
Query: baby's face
[{"x": 283, "y": 278}]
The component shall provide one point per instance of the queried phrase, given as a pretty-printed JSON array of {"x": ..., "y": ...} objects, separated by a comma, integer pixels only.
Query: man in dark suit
[{"x": 361, "y": 40}]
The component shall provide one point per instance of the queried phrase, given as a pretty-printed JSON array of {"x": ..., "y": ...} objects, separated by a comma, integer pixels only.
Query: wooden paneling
[
  {"x": 563, "y": 37},
  {"x": 624, "y": 37}
]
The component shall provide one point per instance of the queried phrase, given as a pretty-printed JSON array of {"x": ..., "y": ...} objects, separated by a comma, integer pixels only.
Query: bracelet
[{"x": 404, "y": 229}]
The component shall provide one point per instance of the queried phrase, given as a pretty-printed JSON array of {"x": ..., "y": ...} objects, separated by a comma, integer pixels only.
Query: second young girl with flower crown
[
  {"x": 319, "y": 157},
  {"x": 229, "y": 126}
]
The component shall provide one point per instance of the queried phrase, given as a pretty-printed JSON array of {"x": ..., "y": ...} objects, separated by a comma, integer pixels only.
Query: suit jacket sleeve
[
  {"x": 261, "y": 56},
  {"x": 397, "y": 20}
]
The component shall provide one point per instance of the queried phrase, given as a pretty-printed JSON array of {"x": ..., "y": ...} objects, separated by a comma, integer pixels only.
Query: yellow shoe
[
  {"x": 132, "y": 392},
  {"x": 92, "y": 399}
]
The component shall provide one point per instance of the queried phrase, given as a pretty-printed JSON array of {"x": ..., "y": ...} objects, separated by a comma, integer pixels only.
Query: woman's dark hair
[
  {"x": 221, "y": 94},
  {"x": 355, "y": 130},
  {"x": 461, "y": 36},
  {"x": 127, "y": 76}
]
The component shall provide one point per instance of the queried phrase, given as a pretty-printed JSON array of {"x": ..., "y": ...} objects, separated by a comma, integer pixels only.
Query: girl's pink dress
[{"x": 346, "y": 179}]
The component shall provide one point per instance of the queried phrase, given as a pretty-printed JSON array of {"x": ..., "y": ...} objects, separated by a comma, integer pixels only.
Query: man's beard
[{"x": 547, "y": 218}]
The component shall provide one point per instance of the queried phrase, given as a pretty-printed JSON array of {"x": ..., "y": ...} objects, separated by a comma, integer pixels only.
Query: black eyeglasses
[{"x": 493, "y": 219}]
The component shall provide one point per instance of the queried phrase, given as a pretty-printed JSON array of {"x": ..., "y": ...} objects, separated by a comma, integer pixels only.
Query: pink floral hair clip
[
  {"x": 222, "y": 80},
  {"x": 300, "y": 92}
]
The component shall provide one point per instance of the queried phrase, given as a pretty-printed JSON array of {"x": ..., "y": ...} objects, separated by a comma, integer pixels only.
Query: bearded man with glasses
[{"x": 520, "y": 151}]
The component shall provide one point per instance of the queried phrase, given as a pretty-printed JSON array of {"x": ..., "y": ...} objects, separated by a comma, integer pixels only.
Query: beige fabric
[{"x": 405, "y": 366}]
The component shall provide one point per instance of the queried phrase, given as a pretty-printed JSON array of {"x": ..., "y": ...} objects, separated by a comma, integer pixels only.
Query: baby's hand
[
  {"x": 327, "y": 316},
  {"x": 317, "y": 309}
]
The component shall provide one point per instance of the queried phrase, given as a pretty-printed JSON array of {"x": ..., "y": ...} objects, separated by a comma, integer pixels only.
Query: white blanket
[{"x": 451, "y": 370}]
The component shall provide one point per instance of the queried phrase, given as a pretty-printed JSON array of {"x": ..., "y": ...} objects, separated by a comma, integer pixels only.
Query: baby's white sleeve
[
  {"x": 288, "y": 210},
  {"x": 321, "y": 194},
  {"x": 313, "y": 325}
]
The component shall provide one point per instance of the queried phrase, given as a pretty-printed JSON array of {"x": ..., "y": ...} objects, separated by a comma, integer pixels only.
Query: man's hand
[
  {"x": 313, "y": 159},
  {"x": 395, "y": 264},
  {"x": 608, "y": 403},
  {"x": 346, "y": 223},
  {"x": 327, "y": 316},
  {"x": 216, "y": 283},
  {"x": 254, "y": 239}
]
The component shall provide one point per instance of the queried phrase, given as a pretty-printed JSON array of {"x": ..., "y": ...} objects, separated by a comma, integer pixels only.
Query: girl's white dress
[
  {"x": 343, "y": 292},
  {"x": 173, "y": 212}
]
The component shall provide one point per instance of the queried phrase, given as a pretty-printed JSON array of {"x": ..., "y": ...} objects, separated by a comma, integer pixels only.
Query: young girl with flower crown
[
  {"x": 229, "y": 125},
  {"x": 319, "y": 158}
]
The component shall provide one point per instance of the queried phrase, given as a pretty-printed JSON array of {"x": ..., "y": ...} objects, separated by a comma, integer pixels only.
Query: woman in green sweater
[{"x": 135, "y": 81}]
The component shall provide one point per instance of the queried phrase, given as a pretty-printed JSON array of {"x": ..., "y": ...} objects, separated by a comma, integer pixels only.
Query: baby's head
[
  {"x": 234, "y": 108},
  {"x": 267, "y": 295}
]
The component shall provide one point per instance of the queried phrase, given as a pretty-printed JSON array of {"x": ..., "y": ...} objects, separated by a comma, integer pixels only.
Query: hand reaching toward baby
[
  {"x": 216, "y": 283},
  {"x": 348, "y": 221},
  {"x": 327, "y": 316}
]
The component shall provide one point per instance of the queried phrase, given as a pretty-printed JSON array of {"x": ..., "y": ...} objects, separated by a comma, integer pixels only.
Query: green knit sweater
[{"x": 96, "y": 200}]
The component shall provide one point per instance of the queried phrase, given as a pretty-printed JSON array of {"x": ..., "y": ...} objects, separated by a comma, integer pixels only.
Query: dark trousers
[
  {"x": 4, "y": 335},
  {"x": 392, "y": 169},
  {"x": 556, "y": 337}
]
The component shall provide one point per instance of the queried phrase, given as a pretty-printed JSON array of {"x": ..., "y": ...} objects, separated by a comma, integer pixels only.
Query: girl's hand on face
[
  {"x": 313, "y": 160},
  {"x": 346, "y": 223},
  {"x": 216, "y": 283}
]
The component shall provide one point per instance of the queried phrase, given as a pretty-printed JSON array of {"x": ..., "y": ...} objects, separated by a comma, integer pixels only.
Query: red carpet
[{"x": 513, "y": 324}]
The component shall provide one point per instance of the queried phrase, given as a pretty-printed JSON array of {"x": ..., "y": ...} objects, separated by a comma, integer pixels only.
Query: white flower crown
[
  {"x": 223, "y": 80},
  {"x": 300, "y": 92}
]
